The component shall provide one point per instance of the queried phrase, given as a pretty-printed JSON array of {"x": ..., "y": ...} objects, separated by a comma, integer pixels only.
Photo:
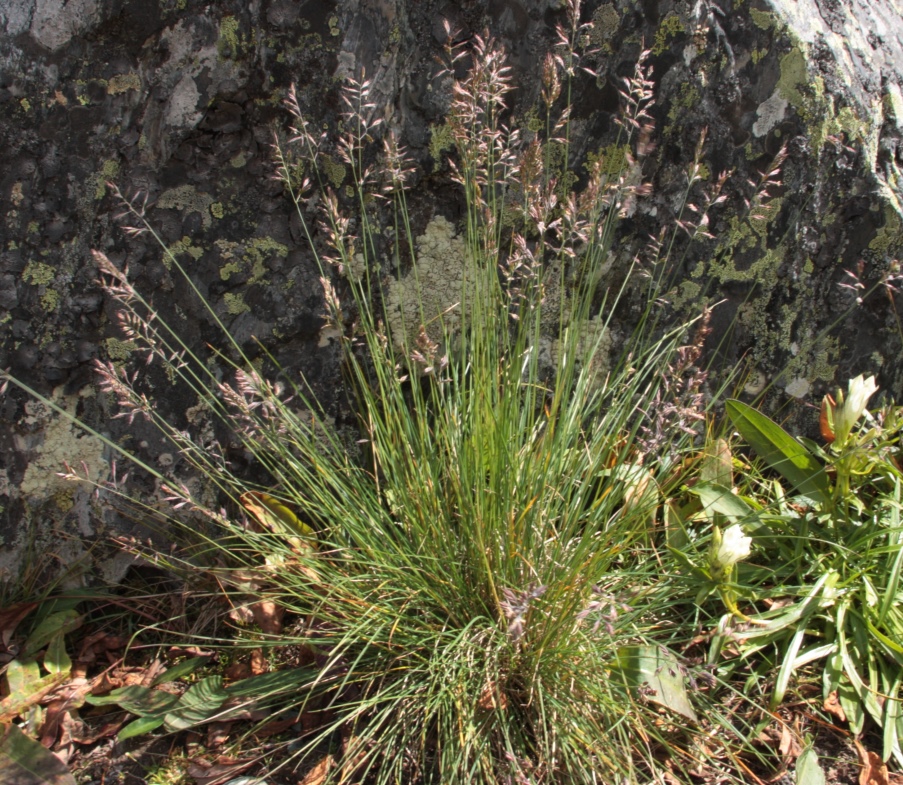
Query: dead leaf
[
  {"x": 492, "y": 698},
  {"x": 14, "y": 704},
  {"x": 237, "y": 671},
  {"x": 10, "y": 618},
  {"x": 318, "y": 774},
  {"x": 241, "y": 614},
  {"x": 833, "y": 707},
  {"x": 789, "y": 746},
  {"x": 273, "y": 728},
  {"x": 874, "y": 770},
  {"x": 218, "y": 734},
  {"x": 268, "y": 616},
  {"x": 259, "y": 663},
  {"x": 222, "y": 771}
]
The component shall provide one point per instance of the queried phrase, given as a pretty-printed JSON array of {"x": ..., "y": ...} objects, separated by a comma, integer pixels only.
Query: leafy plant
[{"x": 831, "y": 535}]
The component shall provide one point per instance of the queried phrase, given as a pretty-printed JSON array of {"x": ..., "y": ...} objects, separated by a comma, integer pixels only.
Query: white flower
[
  {"x": 859, "y": 391},
  {"x": 728, "y": 548}
]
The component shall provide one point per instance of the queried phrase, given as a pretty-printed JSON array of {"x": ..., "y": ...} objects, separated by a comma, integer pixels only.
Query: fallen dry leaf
[
  {"x": 237, "y": 671},
  {"x": 833, "y": 707},
  {"x": 268, "y": 616},
  {"x": 273, "y": 728},
  {"x": 874, "y": 770},
  {"x": 319, "y": 772},
  {"x": 789, "y": 746},
  {"x": 259, "y": 663},
  {"x": 10, "y": 618},
  {"x": 222, "y": 771},
  {"x": 218, "y": 734}
]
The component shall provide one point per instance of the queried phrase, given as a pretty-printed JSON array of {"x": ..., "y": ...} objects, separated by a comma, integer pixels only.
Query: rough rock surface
[{"x": 181, "y": 100}]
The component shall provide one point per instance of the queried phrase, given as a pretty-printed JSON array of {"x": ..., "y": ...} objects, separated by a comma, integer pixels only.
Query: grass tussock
[{"x": 491, "y": 584}]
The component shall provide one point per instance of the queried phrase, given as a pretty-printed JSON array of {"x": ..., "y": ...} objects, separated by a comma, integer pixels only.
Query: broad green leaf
[
  {"x": 27, "y": 688},
  {"x": 780, "y": 451},
  {"x": 136, "y": 699},
  {"x": 55, "y": 624},
  {"x": 184, "y": 668},
  {"x": 24, "y": 761},
  {"x": 656, "y": 673},
  {"x": 808, "y": 769},
  {"x": 23, "y": 677},
  {"x": 139, "y": 727},
  {"x": 719, "y": 499},
  {"x": 56, "y": 659},
  {"x": 198, "y": 704}
]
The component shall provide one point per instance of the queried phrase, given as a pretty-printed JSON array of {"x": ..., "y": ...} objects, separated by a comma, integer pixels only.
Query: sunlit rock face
[{"x": 181, "y": 101}]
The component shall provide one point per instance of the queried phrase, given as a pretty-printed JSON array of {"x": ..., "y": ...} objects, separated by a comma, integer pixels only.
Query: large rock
[{"x": 181, "y": 100}]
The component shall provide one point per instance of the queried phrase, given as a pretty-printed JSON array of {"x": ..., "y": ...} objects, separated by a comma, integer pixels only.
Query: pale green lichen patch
[
  {"x": 122, "y": 83},
  {"x": 606, "y": 21},
  {"x": 62, "y": 443},
  {"x": 108, "y": 171},
  {"x": 441, "y": 139},
  {"x": 761, "y": 19},
  {"x": 334, "y": 171},
  {"x": 180, "y": 247},
  {"x": 38, "y": 273},
  {"x": 187, "y": 199},
  {"x": 431, "y": 293},
  {"x": 119, "y": 350},
  {"x": 888, "y": 240},
  {"x": 228, "y": 43},
  {"x": 235, "y": 304},
  {"x": 249, "y": 257},
  {"x": 670, "y": 27},
  {"x": 50, "y": 300},
  {"x": 794, "y": 75},
  {"x": 216, "y": 210},
  {"x": 612, "y": 159}
]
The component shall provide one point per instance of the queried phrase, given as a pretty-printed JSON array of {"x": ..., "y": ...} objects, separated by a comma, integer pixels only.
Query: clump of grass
[{"x": 474, "y": 594}]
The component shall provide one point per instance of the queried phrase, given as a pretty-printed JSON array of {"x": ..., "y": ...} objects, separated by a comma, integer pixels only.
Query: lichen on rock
[{"x": 430, "y": 293}]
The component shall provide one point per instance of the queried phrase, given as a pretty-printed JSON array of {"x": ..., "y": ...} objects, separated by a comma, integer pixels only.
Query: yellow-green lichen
[
  {"x": 187, "y": 199},
  {"x": 441, "y": 139},
  {"x": 761, "y": 19},
  {"x": 237, "y": 161},
  {"x": 63, "y": 443},
  {"x": 612, "y": 160},
  {"x": 108, "y": 171},
  {"x": 334, "y": 171},
  {"x": 50, "y": 300},
  {"x": 183, "y": 246},
  {"x": 757, "y": 54},
  {"x": 670, "y": 27},
  {"x": 122, "y": 83},
  {"x": 430, "y": 294},
  {"x": 119, "y": 350},
  {"x": 216, "y": 210},
  {"x": 38, "y": 273},
  {"x": 25, "y": 104},
  {"x": 235, "y": 304},
  {"x": 248, "y": 257},
  {"x": 794, "y": 75},
  {"x": 606, "y": 21},
  {"x": 888, "y": 240},
  {"x": 227, "y": 44},
  {"x": 334, "y": 26}
]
